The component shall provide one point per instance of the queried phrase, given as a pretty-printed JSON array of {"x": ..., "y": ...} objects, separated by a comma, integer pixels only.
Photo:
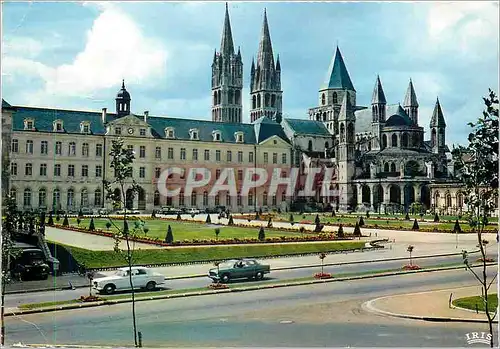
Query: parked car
[
  {"x": 239, "y": 269},
  {"x": 30, "y": 264},
  {"x": 142, "y": 277},
  {"x": 129, "y": 211},
  {"x": 193, "y": 211},
  {"x": 170, "y": 210},
  {"x": 103, "y": 211},
  {"x": 86, "y": 211}
]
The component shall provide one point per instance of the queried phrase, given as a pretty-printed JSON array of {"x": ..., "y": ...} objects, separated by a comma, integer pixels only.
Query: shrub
[
  {"x": 51, "y": 220},
  {"x": 316, "y": 220},
  {"x": 91, "y": 225},
  {"x": 179, "y": 216},
  {"x": 230, "y": 222},
  {"x": 318, "y": 228},
  {"x": 367, "y": 214},
  {"x": 456, "y": 228},
  {"x": 170, "y": 236},
  {"x": 322, "y": 276},
  {"x": 108, "y": 225},
  {"x": 270, "y": 223},
  {"x": 65, "y": 221},
  {"x": 361, "y": 221},
  {"x": 208, "y": 220},
  {"x": 262, "y": 234},
  {"x": 357, "y": 231},
  {"x": 58, "y": 218},
  {"x": 291, "y": 218},
  {"x": 153, "y": 214},
  {"x": 217, "y": 232},
  {"x": 436, "y": 218},
  {"x": 340, "y": 232},
  {"x": 415, "y": 225},
  {"x": 411, "y": 267},
  {"x": 333, "y": 213}
]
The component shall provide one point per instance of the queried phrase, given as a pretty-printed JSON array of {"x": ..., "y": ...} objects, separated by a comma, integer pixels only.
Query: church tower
[
  {"x": 345, "y": 157},
  {"x": 378, "y": 113},
  {"x": 411, "y": 104},
  {"x": 438, "y": 130},
  {"x": 122, "y": 101},
  {"x": 227, "y": 79},
  {"x": 265, "y": 80}
]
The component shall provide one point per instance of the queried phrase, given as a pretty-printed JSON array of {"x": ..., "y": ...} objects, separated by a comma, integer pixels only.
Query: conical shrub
[
  {"x": 357, "y": 231},
  {"x": 262, "y": 234},
  {"x": 170, "y": 236},
  {"x": 340, "y": 232},
  {"x": 415, "y": 225}
]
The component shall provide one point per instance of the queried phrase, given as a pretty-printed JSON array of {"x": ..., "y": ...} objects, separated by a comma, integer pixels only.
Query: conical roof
[
  {"x": 411, "y": 97},
  {"x": 226, "y": 45},
  {"x": 337, "y": 76},
  {"x": 437, "y": 118},
  {"x": 378, "y": 96}
]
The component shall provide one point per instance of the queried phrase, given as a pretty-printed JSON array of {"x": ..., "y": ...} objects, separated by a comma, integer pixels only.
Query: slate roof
[
  {"x": 5, "y": 104},
  {"x": 437, "y": 118},
  {"x": 337, "y": 76},
  {"x": 308, "y": 127},
  {"x": 364, "y": 118},
  {"x": 44, "y": 118}
]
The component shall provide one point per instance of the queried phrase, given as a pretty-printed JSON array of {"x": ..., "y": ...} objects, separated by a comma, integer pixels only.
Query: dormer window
[
  {"x": 217, "y": 136},
  {"x": 29, "y": 124},
  {"x": 193, "y": 134},
  {"x": 85, "y": 127},
  {"x": 239, "y": 137},
  {"x": 169, "y": 132},
  {"x": 58, "y": 126}
]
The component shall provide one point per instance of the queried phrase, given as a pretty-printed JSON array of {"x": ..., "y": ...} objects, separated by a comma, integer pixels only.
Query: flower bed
[
  {"x": 411, "y": 267},
  {"x": 322, "y": 276},
  {"x": 217, "y": 286},
  {"x": 89, "y": 299},
  {"x": 487, "y": 260}
]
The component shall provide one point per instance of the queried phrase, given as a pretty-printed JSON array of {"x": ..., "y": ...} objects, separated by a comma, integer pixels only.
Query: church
[{"x": 377, "y": 151}]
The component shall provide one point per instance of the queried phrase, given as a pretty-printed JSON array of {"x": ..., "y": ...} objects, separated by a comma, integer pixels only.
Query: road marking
[{"x": 286, "y": 322}]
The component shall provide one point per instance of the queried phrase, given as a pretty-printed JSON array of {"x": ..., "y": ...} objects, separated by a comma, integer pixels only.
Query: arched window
[
  {"x": 84, "y": 198},
  {"x": 310, "y": 145},
  {"x": 448, "y": 200},
  {"x": 433, "y": 137},
  {"x": 318, "y": 117},
  {"x": 215, "y": 97},
  {"x": 237, "y": 97},
  {"x": 436, "y": 198},
  {"x": 42, "y": 197},
  {"x": 156, "y": 198},
  {"x": 324, "y": 116},
  {"x": 342, "y": 132},
  {"x": 13, "y": 195},
  {"x": 334, "y": 98},
  {"x": 254, "y": 102},
  {"x": 460, "y": 200},
  {"x": 386, "y": 167},
  {"x": 323, "y": 99},
  {"x": 266, "y": 98},
  {"x": 394, "y": 140},
  {"x": 258, "y": 101},
  {"x": 27, "y": 197},
  {"x": 181, "y": 198},
  {"x": 70, "y": 198},
  {"x": 230, "y": 97},
  {"x": 326, "y": 145},
  {"x": 56, "y": 199},
  {"x": 384, "y": 141},
  {"x": 97, "y": 197},
  {"x": 193, "y": 198},
  {"x": 273, "y": 100},
  {"x": 205, "y": 198},
  {"x": 393, "y": 167},
  {"x": 404, "y": 140},
  {"x": 350, "y": 133}
]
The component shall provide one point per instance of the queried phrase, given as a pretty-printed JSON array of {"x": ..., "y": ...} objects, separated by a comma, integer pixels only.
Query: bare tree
[
  {"x": 477, "y": 167},
  {"x": 121, "y": 161},
  {"x": 9, "y": 228}
]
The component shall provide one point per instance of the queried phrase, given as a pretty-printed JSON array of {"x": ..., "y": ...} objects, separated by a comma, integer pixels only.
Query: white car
[
  {"x": 142, "y": 277},
  {"x": 129, "y": 211},
  {"x": 193, "y": 211}
]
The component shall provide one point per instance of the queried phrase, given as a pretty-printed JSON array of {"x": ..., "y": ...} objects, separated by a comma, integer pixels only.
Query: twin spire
[
  {"x": 226, "y": 44},
  {"x": 337, "y": 76}
]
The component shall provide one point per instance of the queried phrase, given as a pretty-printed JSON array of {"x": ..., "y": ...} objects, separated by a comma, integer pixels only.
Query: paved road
[
  {"x": 14, "y": 300},
  {"x": 305, "y": 316}
]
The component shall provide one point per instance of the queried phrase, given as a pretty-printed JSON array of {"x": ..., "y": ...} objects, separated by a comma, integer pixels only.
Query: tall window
[
  {"x": 266, "y": 158},
  {"x": 27, "y": 197},
  {"x": 240, "y": 157},
  {"x": 97, "y": 197},
  {"x": 250, "y": 199},
  {"x": 142, "y": 151},
  {"x": 29, "y": 147},
  {"x": 229, "y": 157},
  {"x": 264, "y": 199},
  {"x": 56, "y": 198},
  {"x": 142, "y": 172},
  {"x": 193, "y": 198},
  {"x": 205, "y": 198},
  {"x": 72, "y": 148},
  {"x": 98, "y": 150},
  {"x": 85, "y": 170},
  {"x": 181, "y": 198},
  {"x": 217, "y": 155},
  {"x": 195, "y": 154},
  {"x": 58, "y": 148},
  {"x": 158, "y": 153},
  {"x": 283, "y": 158},
  {"x": 42, "y": 197},
  {"x": 43, "y": 170},
  {"x": 157, "y": 172},
  {"x": 13, "y": 169},
  {"x": 98, "y": 171},
  {"x": 28, "y": 170},
  {"x": 71, "y": 170},
  {"x": 228, "y": 199},
  {"x": 71, "y": 198},
  {"x": 156, "y": 200},
  {"x": 183, "y": 153},
  {"x": 217, "y": 173},
  {"x": 85, "y": 149},
  {"x": 274, "y": 200},
  {"x": 275, "y": 158},
  {"x": 57, "y": 170},
  {"x": 15, "y": 146},
  {"x": 170, "y": 153},
  {"x": 394, "y": 140},
  {"x": 240, "y": 175},
  {"x": 44, "y": 147},
  {"x": 207, "y": 155},
  {"x": 238, "y": 199},
  {"x": 217, "y": 199}
]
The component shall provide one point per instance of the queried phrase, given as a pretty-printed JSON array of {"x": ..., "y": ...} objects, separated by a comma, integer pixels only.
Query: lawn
[
  {"x": 187, "y": 231},
  {"x": 102, "y": 259},
  {"x": 471, "y": 302}
]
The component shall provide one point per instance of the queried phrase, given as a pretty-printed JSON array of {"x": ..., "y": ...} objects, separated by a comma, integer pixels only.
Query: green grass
[
  {"x": 140, "y": 295},
  {"x": 185, "y": 230},
  {"x": 101, "y": 259},
  {"x": 471, "y": 302}
]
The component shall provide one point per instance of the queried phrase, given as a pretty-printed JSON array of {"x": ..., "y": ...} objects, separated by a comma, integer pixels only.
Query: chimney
[
  {"x": 146, "y": 113},
  {"x": 103, "y": 117}
]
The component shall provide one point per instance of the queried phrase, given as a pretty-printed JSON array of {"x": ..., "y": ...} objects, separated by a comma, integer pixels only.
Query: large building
[{"x": 59, "y": 158}]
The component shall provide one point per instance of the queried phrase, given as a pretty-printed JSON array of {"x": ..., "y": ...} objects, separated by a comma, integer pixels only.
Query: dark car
[
  {"x": 30, "y": 264},
  {"x": 239, "y": 269}
]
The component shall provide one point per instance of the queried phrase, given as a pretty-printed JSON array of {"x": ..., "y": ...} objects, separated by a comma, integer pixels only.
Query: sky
[{"x": 73, "y": 55}]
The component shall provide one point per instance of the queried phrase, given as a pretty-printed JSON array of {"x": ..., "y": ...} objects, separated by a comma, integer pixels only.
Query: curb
[
  {"x": 230, "y": 290},
  {"x": 370, "y": 307}
]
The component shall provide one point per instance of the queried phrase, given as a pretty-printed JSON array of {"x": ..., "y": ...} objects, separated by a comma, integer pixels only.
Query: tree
[
  {"x": 361, "y": 221},
  {"x": 65, "y": 221},
  {"x": 457, "y": 228},
  {"x": 477, "y": 167},
  {"x": 357, "y": 231},
  {"x": 436, "y": 218},
  {"x": 91, "y": 225},
  {"x": 407, "y": 217},
  {"x": 317, "y": 220},
  {"x": 410, "y": 250},
  {"x": 170, "y": 237},
  {"x": 217, "y": 232},
  {"x": 118, "y": 190},
  {"x": 230, "y": 221},
  {"x": 415, "y": 225},
  {"x": 262, "y": 234},
  {"x": 108, "y": 225},
  {"x": 340, "y": 232},
  {"x": 179, "y": 216},
  {"x": 208, "y": 220},
  {"x": 10, "y": 223}
]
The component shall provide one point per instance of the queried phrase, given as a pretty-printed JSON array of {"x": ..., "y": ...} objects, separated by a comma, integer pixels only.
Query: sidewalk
[{"x": 428, "y": 305}]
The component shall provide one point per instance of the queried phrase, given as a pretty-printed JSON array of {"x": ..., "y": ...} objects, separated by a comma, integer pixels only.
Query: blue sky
[{"x": 74, "y": 55}]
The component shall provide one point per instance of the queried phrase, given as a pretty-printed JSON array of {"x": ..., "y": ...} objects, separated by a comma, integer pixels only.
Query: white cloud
[{"x": 21, "y": 46}]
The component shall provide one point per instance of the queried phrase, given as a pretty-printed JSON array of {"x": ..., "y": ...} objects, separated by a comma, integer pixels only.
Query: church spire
[
  {"x": 378, "y": 96},
  {"x": 337, "y": 76},
  {"x": 226, "y": 45},
  {"x": 265, "y": 53},
  {"x": 437, "y": 119},
  {"x": 411, "y": 97}
]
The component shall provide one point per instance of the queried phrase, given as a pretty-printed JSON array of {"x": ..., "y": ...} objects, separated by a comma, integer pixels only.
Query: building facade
[{"x": 377, "y": 153}]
